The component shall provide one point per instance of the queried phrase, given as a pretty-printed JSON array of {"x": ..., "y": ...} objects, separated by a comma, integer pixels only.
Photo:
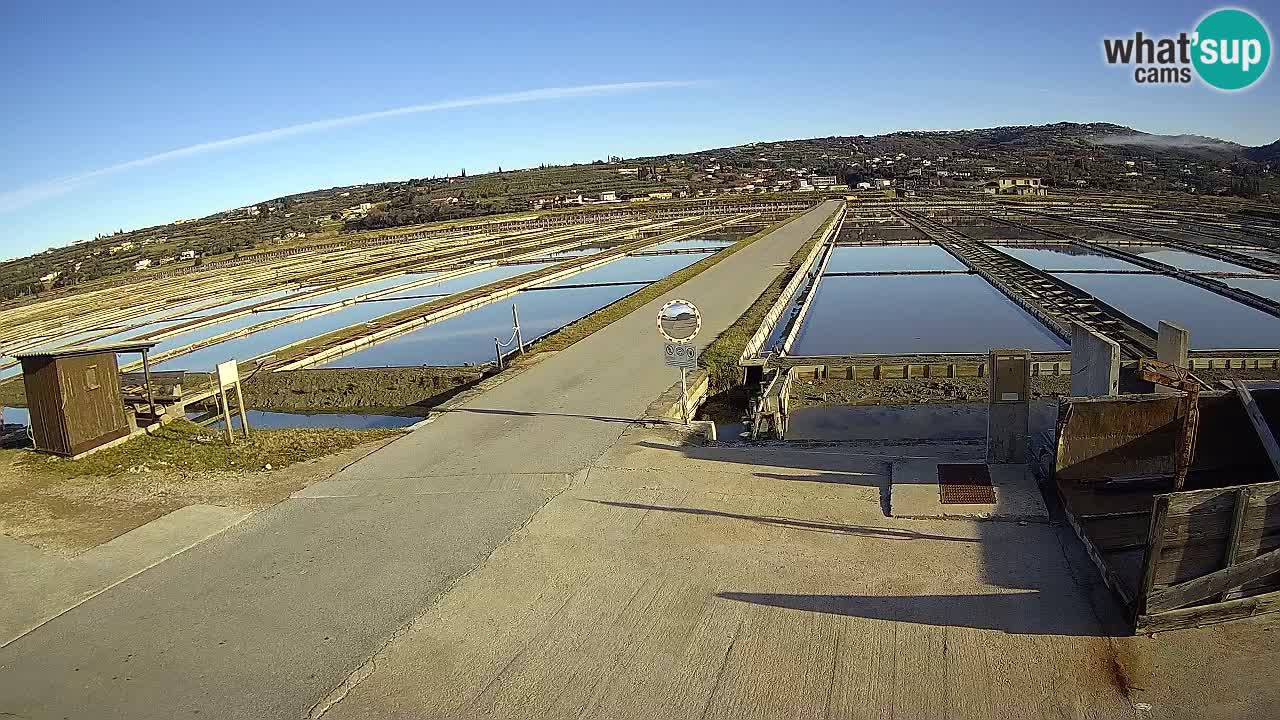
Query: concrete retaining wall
[
  {"x": 803, "y": 274},
  {"x": 1095, "y": 363}
]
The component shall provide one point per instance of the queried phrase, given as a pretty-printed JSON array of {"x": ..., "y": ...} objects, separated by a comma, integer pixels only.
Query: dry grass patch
[{"x": 67, "y": 507}]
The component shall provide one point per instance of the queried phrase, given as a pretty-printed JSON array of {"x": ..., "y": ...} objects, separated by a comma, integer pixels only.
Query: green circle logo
[{"x": 1232, "y": 48}]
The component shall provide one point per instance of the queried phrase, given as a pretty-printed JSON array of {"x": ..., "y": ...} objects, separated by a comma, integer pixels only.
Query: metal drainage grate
[{"x": 965, "y": 484}]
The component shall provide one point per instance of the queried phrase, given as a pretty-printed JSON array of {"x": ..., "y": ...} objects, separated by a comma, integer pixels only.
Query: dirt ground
[
  {"x": 67, "y": 507},
  {"x": 12, "y": 393},
  {"x": 365, "y": 388},
  {"x": 807, "y": 392},
  {"x": 337, "y": 388}
]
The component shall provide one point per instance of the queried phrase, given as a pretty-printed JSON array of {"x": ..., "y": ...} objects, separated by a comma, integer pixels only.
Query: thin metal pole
[
  {"x": 497, "y": 350},
  {"x": 684, "y": 398},
  {"x": 515, "y": 318},
  {"x": 146, "y": 374}
]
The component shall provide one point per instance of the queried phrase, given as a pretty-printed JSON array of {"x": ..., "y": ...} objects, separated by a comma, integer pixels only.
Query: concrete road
[
  {"x": 678, "y": 582},
  {"x": 265, "y": 620},
  {"x": 765, "y": 582}
]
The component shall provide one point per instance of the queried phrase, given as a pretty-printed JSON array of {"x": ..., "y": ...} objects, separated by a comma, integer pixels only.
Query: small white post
[
  {"x": 515, "y": 318},
  {"x": 497, "y": 351}
]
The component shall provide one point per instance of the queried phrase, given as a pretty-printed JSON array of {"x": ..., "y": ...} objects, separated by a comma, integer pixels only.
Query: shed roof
[{"x": 74, "y": 350}]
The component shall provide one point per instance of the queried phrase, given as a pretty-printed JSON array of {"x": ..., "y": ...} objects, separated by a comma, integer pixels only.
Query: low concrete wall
[
  {"x": 1172, "y": 344},
  {"x": 802, "y": 275},
  {"x": 667, "y": 406}
]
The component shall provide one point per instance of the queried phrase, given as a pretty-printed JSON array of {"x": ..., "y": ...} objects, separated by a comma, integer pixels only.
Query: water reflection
[
  {"x": 264, "y": 341},
  {"x": 268, "y": 420},
  {"x": 1263, "y": 287},
  {"x": 1215, "y": 322},
  {"x": 916, "y": 314},
  {"x": 1065, "y": 257},
  {"x": 468, "y": 338},
  {"x": 16, "y": 416},
  {"x": 891, "y": 258},
  {"x": 1184, "y": 260}
]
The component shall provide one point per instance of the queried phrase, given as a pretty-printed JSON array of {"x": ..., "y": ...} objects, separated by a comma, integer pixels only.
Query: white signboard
[
  {"x": 680, "y": 355},
  {"x": 228, "y": 373}
]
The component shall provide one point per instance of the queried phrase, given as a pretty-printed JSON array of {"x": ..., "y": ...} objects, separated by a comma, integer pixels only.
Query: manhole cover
[{"x": 965, "y": 484}]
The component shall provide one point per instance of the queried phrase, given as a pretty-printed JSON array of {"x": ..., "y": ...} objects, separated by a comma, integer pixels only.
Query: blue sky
[{"x": 92, "y": 85}]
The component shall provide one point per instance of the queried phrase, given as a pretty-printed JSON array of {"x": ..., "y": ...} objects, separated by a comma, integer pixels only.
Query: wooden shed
[{"x": 74, "y": 398}]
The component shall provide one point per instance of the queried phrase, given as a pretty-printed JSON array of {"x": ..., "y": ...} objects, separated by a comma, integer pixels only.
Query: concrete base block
[
  {"x": 1007, "y": 432},
  {"x": 1172, "y": 345},
  {"x": 1095, "y": 364}
]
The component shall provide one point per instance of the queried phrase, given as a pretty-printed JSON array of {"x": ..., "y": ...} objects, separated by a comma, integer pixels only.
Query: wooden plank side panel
[
  {"x": 1115, "y": 437},
  {"x": 1208, "y": 614},
  {"x": 1197, "y": 535},
  {"x": 44, "y": 402},
  {"x": 1151, "y": 561},
  {"x": 1126, "y": 586},
  {"x": 1138, "y": 434},
  {"x": 1124, "y": 532},
  {"x": 1215, "y": 583},
  {"x": 1184, "y": 502},
  {"x": 1260, "y": 533}
]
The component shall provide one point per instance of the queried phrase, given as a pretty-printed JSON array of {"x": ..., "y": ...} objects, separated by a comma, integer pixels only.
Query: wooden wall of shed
[
  {"x": 1136, "y": 435},
  {"x": 69, "y": 414},
  {"x": 44, "y": 403},
  {"x": 95, "y": 412}
]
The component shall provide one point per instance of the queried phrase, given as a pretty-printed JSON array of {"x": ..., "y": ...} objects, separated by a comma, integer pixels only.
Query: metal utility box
[
  {"x": 1010, "y": 375},
  {"x": 1009, "y": 405},
  {"x": 74, "y": 399}
]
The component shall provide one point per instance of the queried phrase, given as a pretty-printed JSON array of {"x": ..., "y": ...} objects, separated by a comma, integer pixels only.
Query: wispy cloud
[{"x": 24, "y": 196}]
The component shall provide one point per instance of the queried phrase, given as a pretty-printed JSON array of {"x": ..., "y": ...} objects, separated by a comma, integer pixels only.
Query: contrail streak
[{"x": 21, "y": 197}]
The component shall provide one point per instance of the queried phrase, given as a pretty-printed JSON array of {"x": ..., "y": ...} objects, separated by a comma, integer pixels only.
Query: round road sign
[{"x": 679, "y": 321}]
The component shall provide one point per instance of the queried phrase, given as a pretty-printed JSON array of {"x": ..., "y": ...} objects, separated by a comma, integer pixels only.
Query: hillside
[
  {"x": 1096, "y": 153},
  {"x": 1100, "y": 156}
]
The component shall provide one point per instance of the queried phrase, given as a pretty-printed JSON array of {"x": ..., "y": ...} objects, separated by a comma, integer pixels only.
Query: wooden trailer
[{"x": 1207, "y": 553}]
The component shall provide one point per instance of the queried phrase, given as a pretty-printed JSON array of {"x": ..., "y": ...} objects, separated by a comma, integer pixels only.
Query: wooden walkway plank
[{"x": 1260, "y": 425}]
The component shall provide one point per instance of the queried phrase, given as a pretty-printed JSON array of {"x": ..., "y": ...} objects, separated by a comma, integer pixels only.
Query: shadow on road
[
  {"x": 1037, "y": 580},
  {"x": 861, "y": 479},
  {"x": 523, "y": 413},
  {"x": 833, "y": 528},
  {"x": 1024, "y": 613}
]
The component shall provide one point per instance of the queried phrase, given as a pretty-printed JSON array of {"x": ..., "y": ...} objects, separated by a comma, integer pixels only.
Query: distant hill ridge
[{"x": 1100, "y": 156}]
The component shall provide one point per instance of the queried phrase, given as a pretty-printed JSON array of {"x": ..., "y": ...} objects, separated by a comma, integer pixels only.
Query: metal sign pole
[
  {"x": 684, "y": 397},
  {"x": 679, "y": 323},
  {"x": 146, "y": 374}
]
